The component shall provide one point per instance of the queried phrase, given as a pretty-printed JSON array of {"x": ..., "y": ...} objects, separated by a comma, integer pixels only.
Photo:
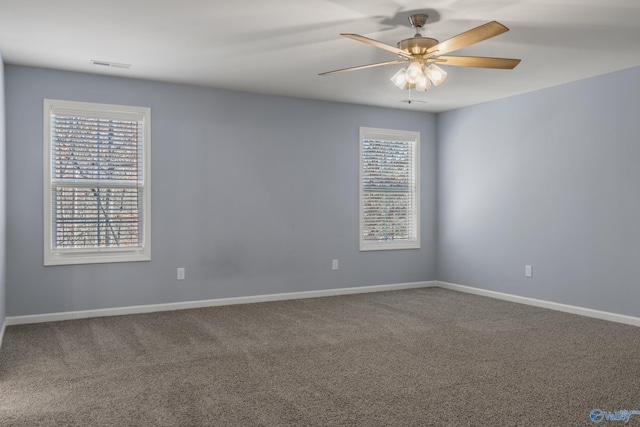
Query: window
[
  {"x": 389, "y": 191},
  {"x": 96, "y": 183}
]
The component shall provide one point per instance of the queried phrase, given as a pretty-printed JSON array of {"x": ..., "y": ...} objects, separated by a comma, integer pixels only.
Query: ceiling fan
[{"x": 423, "y": 53}]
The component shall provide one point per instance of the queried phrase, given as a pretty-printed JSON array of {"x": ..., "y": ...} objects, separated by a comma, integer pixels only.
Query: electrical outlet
[
  {"x": 180, "y": 273},
  {"x": 334, "y": 264},
  {"x": 528, "y": 271}
]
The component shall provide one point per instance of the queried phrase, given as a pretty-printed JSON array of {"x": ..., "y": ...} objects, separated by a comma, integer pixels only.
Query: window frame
[
  {"x": 93, "y": 255},
  {"x": 394, "y": 135}
]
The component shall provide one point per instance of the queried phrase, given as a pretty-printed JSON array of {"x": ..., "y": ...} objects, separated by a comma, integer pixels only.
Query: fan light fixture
[
  {"x": 436, "y": 74},
  {"x": 414, "y": 72},
  {"x": 419, "y": 77},
  {"x": 423, "y": 84},
  {"x": 400, "y": 78}
]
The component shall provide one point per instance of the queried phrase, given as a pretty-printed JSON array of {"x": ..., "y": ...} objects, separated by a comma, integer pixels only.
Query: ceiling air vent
[{"x": 110, "y": 64}]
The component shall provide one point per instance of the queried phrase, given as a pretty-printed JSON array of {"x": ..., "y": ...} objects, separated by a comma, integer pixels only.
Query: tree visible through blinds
[
  {"x": 97, "y": 182},
  {"x": 388, "y": 190}
]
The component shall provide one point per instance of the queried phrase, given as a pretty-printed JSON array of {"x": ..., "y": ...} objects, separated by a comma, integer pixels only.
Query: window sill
[
  {"x": 61, "y": 258},
  {"x": 386, "y": 246}
]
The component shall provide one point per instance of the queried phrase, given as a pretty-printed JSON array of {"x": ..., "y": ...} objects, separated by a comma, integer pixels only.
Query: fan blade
[
  {"x": 377, "y": 44},
  {"x": 477, "y": 61},
  {"x": 362, "y": 67},
  {"x": 473, "y": 36}
]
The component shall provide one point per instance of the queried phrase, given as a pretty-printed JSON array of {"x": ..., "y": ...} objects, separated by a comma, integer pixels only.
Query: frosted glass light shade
[
  {"x": 400, "y": 78},
  {"x": 436, "y": 74},
  {"x": 423, "y": 84},
  {"x": 414, "y": 72}
]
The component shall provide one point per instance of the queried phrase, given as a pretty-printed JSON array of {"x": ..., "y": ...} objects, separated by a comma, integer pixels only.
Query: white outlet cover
[{"x": 528, "y": 271}]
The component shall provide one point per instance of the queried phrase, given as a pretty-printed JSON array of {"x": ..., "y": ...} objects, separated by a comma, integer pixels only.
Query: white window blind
[
  {"x": 97, "y": 186},
  {"x": 389, "y": 196}
]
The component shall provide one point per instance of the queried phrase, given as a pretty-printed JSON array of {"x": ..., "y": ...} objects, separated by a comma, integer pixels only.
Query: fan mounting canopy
[{"x": 418, "y": 20}]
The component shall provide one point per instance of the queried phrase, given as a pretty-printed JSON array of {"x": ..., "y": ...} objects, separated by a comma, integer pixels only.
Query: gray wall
[
  {"x": 252, "y": 194},
  {"x": 3, "y": 198},
  {"x": 550, "y": 178}
]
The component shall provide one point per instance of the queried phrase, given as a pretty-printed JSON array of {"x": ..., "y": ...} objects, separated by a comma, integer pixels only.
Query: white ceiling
[{"x": 280, "y": 46}]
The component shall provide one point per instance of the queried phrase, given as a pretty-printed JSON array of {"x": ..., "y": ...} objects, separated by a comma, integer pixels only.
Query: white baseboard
[
  {"x": 4, "y": 325},
  {"x": 118, "y": 311},
  {"x": 603, "y": 315}
]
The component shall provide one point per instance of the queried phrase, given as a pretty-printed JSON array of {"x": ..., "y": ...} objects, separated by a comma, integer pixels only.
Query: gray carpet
[{"x": 423, "y": 357}]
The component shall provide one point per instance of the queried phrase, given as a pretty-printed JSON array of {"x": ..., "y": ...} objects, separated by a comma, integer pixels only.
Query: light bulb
[
  {"x": 423, "y": 84},
  {"x": 400, "y": 78},
  {"x": 436, "y": 74},
  {"x": 414, "y": 71}
]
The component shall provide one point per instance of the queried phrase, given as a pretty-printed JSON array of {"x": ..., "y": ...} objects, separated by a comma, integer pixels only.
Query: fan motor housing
[{"x": 417, "y": 45}]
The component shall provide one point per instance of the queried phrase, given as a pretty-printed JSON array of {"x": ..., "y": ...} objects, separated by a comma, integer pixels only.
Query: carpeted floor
[{"x": 423, "y": 357}]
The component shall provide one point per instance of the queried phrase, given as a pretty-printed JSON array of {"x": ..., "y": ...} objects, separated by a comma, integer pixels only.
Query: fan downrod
[{"x": 417, "y": 45}]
